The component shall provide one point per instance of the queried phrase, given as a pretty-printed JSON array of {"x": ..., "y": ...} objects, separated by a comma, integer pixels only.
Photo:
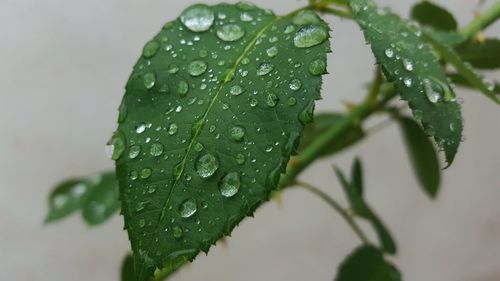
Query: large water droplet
[
  {"x": 183, "y": 87},
  {"x": 134, "y": 151},
  {"x": 149, "y": 80},
  {"x": 237, "y": 133},
  {"x": 156, "y": 149},
  {"x": 272, "y": 52},
  {"x": 389, "y": 53},
  {"x": 272, "y": 100},
  {"x": 408, "y": 64},
  {"x": 306, "y": 116},
  {"x": 150, "y": 49},
  {"x": 198, "y": 18},
  {"x": 264, "y": 68},
  {"x": 230, "y": 184},
  {"x": 295, "y": 84},
  {"x": 437, "y": 91},
  {"x": 306, "y": 17},
  {"x": 197, "y": 68},
  {"x": 145, "y": 173},
  {"x": 309, "y": 36},
  {"x": 187, "y": 208},
  {"x": 236, "y": 90},
  {"x": 230, "y": 32},
  {"x": 317, "y": 67},
  {"x": 172, "y": 129},
  {"x": 206, "y": 165}
]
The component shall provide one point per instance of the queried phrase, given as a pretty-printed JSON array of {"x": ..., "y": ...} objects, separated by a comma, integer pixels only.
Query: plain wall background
[{"x": 63, "y": 65}]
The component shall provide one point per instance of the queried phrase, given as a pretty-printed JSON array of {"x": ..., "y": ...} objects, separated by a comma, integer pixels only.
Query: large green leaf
[
  {"x": 324, "y": 121},
  {"x": 422, "y": 154},
  {"x": 353, "y": 191},
  {"x": 367, "y": 263},
  {"x": 430, "y": 14},
  {"x": 484, "y": 54},
  {"x": 463, "y": 68},
  {"x": 417, "y": 75},
  {"x": 96, "y": 196},
  {"x": 212, "y": 112}
]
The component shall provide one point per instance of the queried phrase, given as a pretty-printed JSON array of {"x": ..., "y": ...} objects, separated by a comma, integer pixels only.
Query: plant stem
[
  {"x": 335, "y": 205},
  {"x": 482, "y": 21}
]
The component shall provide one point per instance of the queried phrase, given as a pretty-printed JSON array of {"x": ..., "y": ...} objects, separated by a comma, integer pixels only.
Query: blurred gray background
[{"x": 63, "y": 65}]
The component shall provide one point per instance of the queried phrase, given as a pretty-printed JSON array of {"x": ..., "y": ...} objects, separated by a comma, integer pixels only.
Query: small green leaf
[
  {"x": 430, "y": 14},
  {"x": 322, "y": 122},
  {"x": 464, "y": 69},
  {"x": 422, "y": 154},
  {"x": 357, "y": 176},
  {"x": 416, "y": 73},
  {"x": 212, "y": 112},
  {"x": 127, "y": 272},
  {"x": 96, "y": 195},
  {"x": 367, "y": 263},
  {"x": 483, "y": 55},
  {"x": 361, "y": 209},
  {"x": 102, "y": 200}
]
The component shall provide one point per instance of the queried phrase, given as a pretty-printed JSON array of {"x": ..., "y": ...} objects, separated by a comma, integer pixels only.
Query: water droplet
[
  {"x": 269, "y": 148},
  {"x": 408, "y": 64},
  {"x": 246, "y": 17},
  {"x": 292, "y": 101},
  {"x": 187, "y": 208},
  {"x": 198, "y": 147},
  {"x": 177, "y": 232},
  {"x": 142, "y": 223},
  {"x": 134, "y": 151},
  {"x": 306, "y": 17},
  {"x": 254, "y": 102},
  {"x": 309, "y": 36},
  {"x": 150, "y": 49},
  {"x": 436, "y": 90},
  {"x": 237, "y": 133},
  {"x": 272, "y": 52},
  {"x": 230, "y": 184},
  {"x": 272, "y": 100},
  {"x": 149, "y": 80},
  {"x": 183, "y": 87},
  {"x": 172, "y": 129},
  {"x": 317, "y": 67},
  {"x": 230, "y": 32},
  {"x": 389, "y": 53},
  {"x": 295, "y": 84},
  {"x": 156, "y": 149},
  {"x": 264, "y": 68},
  {"x": 289, "y": 29},
  {"x": 145, "y": 173},
  {"x": 164, "y": 89},
  {"x": 141, "y": 128},
  {"x": 206, "y": 165},
  {"x": 408, "y": 82},
  {"x": 240, "y": 159},
  {"x": 152, "y": 188},
  {"x": 173, "y": 68},
  {"x": 197, "y": 68},
  {"x": 198, "y": 18},
  {"x": 306, "y": 116},
  {"x": 236, "y": 90}
]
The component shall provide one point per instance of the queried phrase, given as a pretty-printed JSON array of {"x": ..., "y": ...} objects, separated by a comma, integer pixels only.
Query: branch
[{"x": 482, "y": 21}]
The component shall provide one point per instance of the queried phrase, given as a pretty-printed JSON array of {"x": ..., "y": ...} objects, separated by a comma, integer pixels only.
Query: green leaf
[
  {"x": 127, "y": 272},
  {"x": 96, "y": 195},
  {"x": 463, "y": 68},
  {"x": 361, "y": 209},
  {"x": 102, "y": 201},
  {"x": 212, "y": 112},
  {"x": 357, "y": 176},
  {"x": 416, "y": 73},
  {"x": 430, "y": 14},
  {"x": 461, "y": 81},
  {"x": 367, "y": 263},
  {"x": 483, "y": 55},
  {"x": 324, "y": 121},
  {"x": 422, "y": 154}
]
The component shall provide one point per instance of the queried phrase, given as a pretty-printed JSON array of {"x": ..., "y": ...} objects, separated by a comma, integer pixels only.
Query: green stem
[
  {"x": 336, "y": 206},
  {"x": 483, "y": 21}
]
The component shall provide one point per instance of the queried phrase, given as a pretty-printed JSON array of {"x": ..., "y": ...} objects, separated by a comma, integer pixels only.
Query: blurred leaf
[
  {"x": 451, "y": 38},
  {"x": 367, "y": 263},
  {"x": 414, "y": 70},
  {"x": 461, "y": 81},
  {"x": 323, "y": 121},
  {"x": 361, "y": 209},
  {"x": 423, "y": 156},
  {"x": 208, "y": 126},
  {"x": 96, "y": 195},
  {"x": 483, "y": 55},
  {"x": 102, "y": 200},
  {"x": 463, "y": 68},
  {"x": 357, "y": 176},
  {"x": 127, "y": 272},
  {"x": 430, "y": 14}
]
